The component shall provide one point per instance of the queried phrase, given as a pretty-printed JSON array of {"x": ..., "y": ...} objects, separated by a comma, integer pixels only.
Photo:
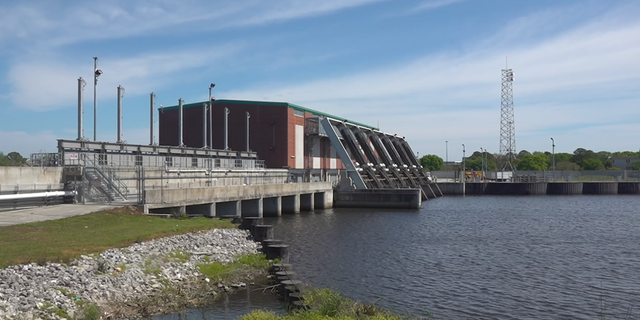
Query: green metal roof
[{"x": 271, "y": 103}]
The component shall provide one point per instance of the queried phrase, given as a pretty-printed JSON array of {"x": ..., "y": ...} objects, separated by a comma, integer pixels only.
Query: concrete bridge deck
[{"x": 241, "y": 201}]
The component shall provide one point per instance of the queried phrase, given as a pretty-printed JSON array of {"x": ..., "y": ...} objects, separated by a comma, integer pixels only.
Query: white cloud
[
  {"x": 27, "y": 142},
  {"x": 50, "y": 84},
  {"x": 561, "y": 83},
  {"x": 54, "y": 24},
  {"x": 434, "y": 4}
]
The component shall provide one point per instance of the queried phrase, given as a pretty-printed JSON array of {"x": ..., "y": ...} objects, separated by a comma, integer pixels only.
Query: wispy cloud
[
  {"x": 434, "y": 4},
  {"x": 48, "y": 23},
  {"x": 569, "y": 74},
  {"x": 45, "y": 85}
]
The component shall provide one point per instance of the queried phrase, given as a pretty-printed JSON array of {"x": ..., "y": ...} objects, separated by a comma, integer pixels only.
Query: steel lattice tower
[{"x": 507, "y": 123}]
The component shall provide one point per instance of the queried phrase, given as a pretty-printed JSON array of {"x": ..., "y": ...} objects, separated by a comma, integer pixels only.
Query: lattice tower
[{"x": 507, "y": 123}]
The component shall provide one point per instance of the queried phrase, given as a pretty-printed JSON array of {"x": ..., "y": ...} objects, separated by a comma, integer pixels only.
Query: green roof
[{"x": 271, "y": 103}]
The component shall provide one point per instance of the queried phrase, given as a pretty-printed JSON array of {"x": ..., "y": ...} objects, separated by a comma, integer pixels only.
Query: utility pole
[{"x": 507, "y": 123}]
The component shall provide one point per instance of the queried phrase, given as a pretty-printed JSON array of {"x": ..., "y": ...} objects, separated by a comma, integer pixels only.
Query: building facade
[{"x": 284, "y": 135}]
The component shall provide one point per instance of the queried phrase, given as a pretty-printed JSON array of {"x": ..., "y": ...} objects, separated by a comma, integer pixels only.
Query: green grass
[
  {"x": 66, "y": 239},
  {"x": 218, "y": 271},
  {"x": 325, "y": 304}
]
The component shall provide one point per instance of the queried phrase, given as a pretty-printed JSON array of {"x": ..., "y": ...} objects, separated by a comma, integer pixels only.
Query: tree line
[
  {"x": 12, "y": 159},
  {"x": 580, "y": 159}
]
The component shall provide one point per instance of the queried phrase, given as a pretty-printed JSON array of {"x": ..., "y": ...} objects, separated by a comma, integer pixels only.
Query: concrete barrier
[{"x": 379, "y": 198}]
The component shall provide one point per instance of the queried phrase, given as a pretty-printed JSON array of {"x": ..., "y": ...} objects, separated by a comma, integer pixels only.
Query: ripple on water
[{"x": 478, "y": 257}]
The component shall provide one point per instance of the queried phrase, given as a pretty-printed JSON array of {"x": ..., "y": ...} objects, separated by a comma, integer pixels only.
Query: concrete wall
[
  {"x": 28, "y": 178},
  {"x": 231, "y": 193}
]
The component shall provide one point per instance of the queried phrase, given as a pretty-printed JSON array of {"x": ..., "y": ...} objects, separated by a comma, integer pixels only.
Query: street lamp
[
  {"x": 211, "y": 116},
  {"x": 96, "y": 74},
  {"x": 464, "y": 166},
  {"x": 482, "y": 160},
  {"x": 553, "y": 156}
]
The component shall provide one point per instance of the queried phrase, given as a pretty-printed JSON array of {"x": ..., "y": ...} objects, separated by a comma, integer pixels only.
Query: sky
[{"x": 428, "y": 70}]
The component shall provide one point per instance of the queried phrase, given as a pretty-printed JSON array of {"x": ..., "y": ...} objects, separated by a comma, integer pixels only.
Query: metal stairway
[{"x": 103, "y": 184}]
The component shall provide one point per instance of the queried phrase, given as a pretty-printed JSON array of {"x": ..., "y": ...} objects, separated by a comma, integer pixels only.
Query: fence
[{"x": 541, "y": 176}]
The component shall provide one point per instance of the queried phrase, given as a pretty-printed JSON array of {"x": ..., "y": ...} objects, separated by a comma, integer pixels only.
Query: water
[{"x": 486, "y": 257}]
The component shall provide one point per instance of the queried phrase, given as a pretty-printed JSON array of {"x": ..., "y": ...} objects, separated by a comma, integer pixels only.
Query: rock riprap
[{"x": 50, "y": 291}]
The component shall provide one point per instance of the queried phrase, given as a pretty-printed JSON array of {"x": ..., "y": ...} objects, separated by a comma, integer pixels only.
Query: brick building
[{"x": 284, "y": 135}]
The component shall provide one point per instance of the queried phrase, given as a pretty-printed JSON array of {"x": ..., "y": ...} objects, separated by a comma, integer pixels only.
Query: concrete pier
[
  {"x": 628, "y": 187},
  {"x": 379, "y": 198},
  {"x": 306, "y": 202},
  {"x": 272, "y": 207}
]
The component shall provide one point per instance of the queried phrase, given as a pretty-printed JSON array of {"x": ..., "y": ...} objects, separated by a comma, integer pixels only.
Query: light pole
[
  {"x": 96, "y": 74},
  {"x": 482, "y": 160},
  {"x": 464, "y": 167},
  {"x": 211, "y": 117},
  {"x": 553, "y": 156}
]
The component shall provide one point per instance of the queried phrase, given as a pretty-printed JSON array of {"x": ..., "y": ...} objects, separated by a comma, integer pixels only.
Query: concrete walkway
[{"x": 36, "y": 214}]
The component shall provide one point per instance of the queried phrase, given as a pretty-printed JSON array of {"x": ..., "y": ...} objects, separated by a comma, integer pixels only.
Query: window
[
  {"x": 169, "y": 161},
  {"x": 298, "y": 113},
  {"x": 102, "y": 159},
  {"x": 194, "y": 162},
  {"x": 138, "y": 160}
]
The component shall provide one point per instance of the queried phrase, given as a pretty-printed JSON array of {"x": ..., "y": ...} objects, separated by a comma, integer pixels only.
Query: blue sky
[{"x": 428, "y": 70}]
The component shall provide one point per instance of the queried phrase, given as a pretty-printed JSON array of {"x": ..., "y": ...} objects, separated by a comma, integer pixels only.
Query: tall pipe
[
  {"x": 180, "y": 102},
  {"x": 226, "y": 128},
  {"x": 120, "y": 95},
  {"x": 204, "y": 125},
  {"x": 248, "y": 116},
  {"x": 81, "y": 84},
  {"x": 152, "y": 104}
]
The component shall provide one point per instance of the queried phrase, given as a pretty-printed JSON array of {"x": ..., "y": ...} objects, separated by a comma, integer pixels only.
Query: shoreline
[{"x": 126, "y": 281}]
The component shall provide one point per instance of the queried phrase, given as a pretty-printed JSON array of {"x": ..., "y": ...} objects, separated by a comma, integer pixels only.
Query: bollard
[
  {"x": 249, "y": 222},
  {"x": 286, "y": 275},
  {"x": 278, "y": 251},
  {"x": 262, "y": 232},
  {"x": 267, "y": 242},
  {"x": 280, "y": 267}
]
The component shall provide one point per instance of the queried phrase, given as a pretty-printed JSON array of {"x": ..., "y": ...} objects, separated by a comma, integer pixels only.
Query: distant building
[{"x": 624, "y": 162}]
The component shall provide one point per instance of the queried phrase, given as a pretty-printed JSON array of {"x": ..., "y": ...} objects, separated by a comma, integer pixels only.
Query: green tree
[
  {"x": 566, "y": 165},
  {"x": 592, "y": 164},
  {"x": 431, "y": 162},
  {"x": 605, "y": 158},
  {"x": 474, "y": 163},
  {"x": 533, "y": 162},
  {"x": 16, "y": 159},
  {"x": 635, "y": 165},
  {"x": 522, "y": 153},
  {"x": 4, "y": 161}
]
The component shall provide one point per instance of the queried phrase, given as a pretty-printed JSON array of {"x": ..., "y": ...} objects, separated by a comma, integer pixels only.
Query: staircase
[{"x": 103, "y": 184}]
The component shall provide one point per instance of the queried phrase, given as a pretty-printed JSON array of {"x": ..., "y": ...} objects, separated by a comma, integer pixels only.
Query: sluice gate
[{"x": 375, "y": 160}]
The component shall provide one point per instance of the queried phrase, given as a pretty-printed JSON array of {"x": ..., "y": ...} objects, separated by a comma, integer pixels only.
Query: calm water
[{"x": 532, "y": 257}]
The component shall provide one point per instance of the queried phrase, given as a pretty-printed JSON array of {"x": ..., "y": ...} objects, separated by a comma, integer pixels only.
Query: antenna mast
[{"x": 507, "y": 122}]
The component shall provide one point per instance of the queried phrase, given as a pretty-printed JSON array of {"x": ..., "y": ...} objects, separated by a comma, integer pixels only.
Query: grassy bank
[
  {"x": 325, "y": 304},
  {"x": 66, "y": 239}
]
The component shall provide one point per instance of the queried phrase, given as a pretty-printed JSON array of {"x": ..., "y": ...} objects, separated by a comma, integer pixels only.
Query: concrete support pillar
[
  {"x": 306, "y": 202},
  {"x": 272, "y": 207},
  {"x": 291, "y": 204},
  {"x": 251, "y": 208},
  {"x": 207, "y": 210},
  {"x": 323, "y": 200},
  {"x": 228, "y": 209}
]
